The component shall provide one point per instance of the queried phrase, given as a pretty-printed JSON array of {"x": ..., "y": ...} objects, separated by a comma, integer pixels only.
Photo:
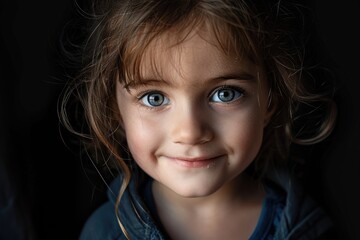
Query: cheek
[
  {"x": 243, "y": 133},
  {"x": 139, "y": 132},
  {"x": 142, "y": 136}
]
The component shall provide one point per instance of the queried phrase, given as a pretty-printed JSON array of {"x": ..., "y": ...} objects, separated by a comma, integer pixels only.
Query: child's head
[
  {"x": 221, "y": 55},
  {"x": 194, "y": 116}
]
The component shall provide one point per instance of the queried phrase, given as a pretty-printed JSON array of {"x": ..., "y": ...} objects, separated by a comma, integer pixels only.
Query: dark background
[{"x": 52, "y": 193}]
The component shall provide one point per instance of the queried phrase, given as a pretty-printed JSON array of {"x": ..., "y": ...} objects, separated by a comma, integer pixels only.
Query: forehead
[{"x": 186, "y": 51}]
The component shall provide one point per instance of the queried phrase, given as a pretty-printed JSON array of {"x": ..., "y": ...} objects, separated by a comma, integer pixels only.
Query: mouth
[{"x": 196, "y": 162}]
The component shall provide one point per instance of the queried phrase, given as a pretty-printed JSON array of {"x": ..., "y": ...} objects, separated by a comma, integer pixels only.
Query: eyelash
[
  {"x": 239, "y": 93},
  {"x": 141, "y": 97}
]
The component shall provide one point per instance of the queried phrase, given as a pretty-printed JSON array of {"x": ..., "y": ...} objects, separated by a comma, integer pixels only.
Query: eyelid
[
  {"x": 239, "y": 90},
  {"x": 142, "y": 95}
]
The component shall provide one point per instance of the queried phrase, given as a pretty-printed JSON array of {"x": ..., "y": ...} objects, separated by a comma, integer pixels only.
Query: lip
[{"x": 195, "y": 162}]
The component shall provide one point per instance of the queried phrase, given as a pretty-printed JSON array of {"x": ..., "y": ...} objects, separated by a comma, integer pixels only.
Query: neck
[
  {"x": 232, "y": 211},
  {"x": 241, "y": 190}
]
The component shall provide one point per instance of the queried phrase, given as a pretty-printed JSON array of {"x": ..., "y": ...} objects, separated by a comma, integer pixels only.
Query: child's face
[{"x": 197, "y": 120}]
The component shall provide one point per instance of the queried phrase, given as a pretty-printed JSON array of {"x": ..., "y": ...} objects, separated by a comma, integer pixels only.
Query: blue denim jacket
[{"x": 300, "y": 217}]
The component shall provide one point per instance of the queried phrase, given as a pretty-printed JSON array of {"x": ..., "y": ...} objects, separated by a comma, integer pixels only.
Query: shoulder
[
  {"x": 302, "y": 216},
  {"x": 102, "y": 224}
]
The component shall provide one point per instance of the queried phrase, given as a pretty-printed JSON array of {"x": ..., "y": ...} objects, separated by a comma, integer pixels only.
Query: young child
[{"x": 196, "y": 103}]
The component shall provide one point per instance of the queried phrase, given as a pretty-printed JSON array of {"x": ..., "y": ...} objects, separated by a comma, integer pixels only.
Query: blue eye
[
  {"x": 226, "y": 95},
  {"x": 154, "y": 99}
]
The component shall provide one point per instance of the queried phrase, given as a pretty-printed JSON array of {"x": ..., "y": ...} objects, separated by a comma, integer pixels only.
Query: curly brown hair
[{"x": 270, "y": 33}]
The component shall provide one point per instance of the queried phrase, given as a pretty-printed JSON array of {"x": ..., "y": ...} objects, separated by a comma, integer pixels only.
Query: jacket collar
[
  {"x": 139, "y": 224},
  {"x": 302, "y": 218}
]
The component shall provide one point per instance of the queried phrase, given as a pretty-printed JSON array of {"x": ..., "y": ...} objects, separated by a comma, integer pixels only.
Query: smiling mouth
[{"x": 199, "y": 162}]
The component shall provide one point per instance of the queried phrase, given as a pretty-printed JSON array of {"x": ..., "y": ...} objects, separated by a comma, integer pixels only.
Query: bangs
[{"x": 235, "y": 40}]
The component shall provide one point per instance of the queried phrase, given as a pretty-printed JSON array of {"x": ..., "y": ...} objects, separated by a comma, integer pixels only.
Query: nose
[{"x": 191, "y": 125}]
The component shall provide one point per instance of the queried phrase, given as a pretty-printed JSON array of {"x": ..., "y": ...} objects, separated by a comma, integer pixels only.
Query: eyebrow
[
  {"x": 236, "y": 76},
  {"x": 243, "y": 76},
  {"x": 144, "y": 83}
]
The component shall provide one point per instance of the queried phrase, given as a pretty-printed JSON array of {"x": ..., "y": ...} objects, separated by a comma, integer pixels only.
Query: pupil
[
  {"x": 156, "y": 99},
  {"x": 226, "y": 95}
]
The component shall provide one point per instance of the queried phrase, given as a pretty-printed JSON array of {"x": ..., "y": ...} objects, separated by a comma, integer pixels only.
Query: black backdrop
[{"x": 52, "y": 193}]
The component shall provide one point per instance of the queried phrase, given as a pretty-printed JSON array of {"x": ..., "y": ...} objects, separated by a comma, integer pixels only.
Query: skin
[{"x": 194, "y": 125}]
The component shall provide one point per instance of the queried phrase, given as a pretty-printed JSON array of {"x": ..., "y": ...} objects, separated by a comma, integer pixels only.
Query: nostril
[
  {"x": 192, "y": 135},
  {"x": 191, "y": 124}
]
